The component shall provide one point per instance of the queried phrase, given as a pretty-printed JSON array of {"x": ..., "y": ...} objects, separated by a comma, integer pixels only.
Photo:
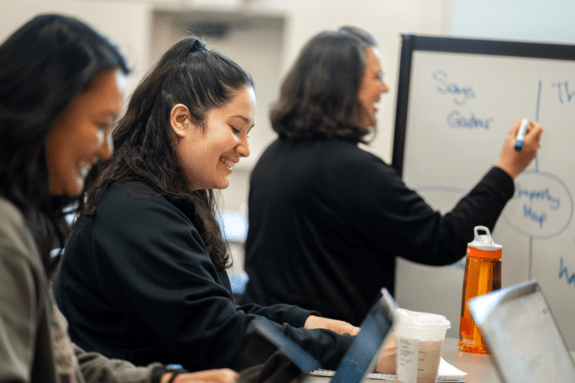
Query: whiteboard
[{"x": 457, "y": 99}]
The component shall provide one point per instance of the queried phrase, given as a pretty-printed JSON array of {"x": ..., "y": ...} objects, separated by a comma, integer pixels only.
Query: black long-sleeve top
[
  {"x": 137, "y": 283},
  {"x": 327, "y": 219}
]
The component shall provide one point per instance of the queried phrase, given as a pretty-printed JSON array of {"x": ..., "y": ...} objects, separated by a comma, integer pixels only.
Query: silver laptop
[
  {"x": 359, "y": 361},
  {"x": 522, "y": 335}
]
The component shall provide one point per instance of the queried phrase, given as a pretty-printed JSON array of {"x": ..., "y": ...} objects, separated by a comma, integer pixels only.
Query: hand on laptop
[
  {"x": 338, "y": 326},
  {"x": 386, "y": 360}
]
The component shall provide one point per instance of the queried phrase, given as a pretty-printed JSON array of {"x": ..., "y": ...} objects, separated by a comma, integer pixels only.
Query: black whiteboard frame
[{"x": 411, "y": 43}]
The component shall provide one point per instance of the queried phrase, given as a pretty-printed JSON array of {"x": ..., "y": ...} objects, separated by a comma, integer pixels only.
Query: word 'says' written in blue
[
  {"x": 563, "y": 272},
  {"x": 545, "y": 198},
  {"x": 460, "y": 94},
  {"x": 564, "y": 94}
]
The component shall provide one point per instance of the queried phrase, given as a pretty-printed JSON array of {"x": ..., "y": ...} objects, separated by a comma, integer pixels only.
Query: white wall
[
  {"x": 124, "y": 22},
  {"x": 528, "y": 20}
]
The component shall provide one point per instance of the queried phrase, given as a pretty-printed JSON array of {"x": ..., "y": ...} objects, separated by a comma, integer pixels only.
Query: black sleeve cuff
[
  {"x": 298, "y": 316},
  {"x": 158, "y": 372}
]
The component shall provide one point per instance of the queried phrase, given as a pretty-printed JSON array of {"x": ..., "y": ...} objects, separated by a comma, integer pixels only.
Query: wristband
[{"x": 175, "y": 373}]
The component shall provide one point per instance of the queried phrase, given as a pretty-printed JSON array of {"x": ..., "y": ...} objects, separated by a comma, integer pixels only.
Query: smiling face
[
  {"x": 208, "y": 157},
  {"x": 371, "y": 87},
  {"x": 81, "y": 136}
]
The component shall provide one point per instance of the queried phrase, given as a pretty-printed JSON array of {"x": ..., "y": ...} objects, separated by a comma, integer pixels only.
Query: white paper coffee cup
[{"x": 418, "y": 342}]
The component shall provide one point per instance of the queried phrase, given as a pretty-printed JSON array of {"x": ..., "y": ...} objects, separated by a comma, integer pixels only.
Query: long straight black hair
[
  {"x": 44, "y": 66},
  {"x": 187, "y": 74}
]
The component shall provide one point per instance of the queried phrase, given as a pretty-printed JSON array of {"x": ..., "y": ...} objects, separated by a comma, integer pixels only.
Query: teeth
[
  {"x": 229, "y": 163},
  {"x": 84, "y": 170}
]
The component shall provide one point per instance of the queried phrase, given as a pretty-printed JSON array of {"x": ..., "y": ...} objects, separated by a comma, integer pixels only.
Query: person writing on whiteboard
[{"x": 326, "y": 218}]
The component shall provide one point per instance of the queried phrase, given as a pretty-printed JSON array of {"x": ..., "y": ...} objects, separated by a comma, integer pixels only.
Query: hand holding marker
[{"x": 521, "y": 134}]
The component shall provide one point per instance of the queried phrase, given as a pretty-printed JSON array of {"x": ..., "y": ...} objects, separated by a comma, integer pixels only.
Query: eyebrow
[
  {"x": 109, "y": 113},
  {"x": 242, "y": 117},
  {"x": 245, "y": 120}
]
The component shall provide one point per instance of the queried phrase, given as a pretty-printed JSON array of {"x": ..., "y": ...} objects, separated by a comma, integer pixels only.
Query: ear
[{"x": 180, "y": 119}]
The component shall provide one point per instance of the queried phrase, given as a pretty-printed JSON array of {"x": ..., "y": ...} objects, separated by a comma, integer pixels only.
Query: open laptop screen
[
  {"x": 522, "y": 335},
  {"x": 360, "y": 358}
]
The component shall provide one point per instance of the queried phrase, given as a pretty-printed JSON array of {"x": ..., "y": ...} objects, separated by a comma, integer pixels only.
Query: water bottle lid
[{"x": 483, "y": 245}]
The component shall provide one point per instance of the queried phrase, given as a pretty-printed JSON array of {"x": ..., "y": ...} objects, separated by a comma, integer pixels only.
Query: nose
[
  {"x": 384, "y": 87},
  {"x": 107, "y": 148},
  {"x": 243, "y": 147}
]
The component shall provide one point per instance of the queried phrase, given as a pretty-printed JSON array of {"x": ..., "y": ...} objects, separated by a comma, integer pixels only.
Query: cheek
[{"x": 375, "y": 90}]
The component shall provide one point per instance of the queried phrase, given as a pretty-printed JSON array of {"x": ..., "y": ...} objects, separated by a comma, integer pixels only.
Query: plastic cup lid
[{"x": 421, "y": 320}]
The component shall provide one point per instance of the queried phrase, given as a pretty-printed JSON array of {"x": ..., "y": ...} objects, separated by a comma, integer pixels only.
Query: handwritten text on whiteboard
[
  {"x": 564, "y": 93},
  {"x": 461, "y": 94}
]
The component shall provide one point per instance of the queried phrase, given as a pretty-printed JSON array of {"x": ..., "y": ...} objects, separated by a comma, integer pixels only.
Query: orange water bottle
[{"x": 482, "y": 275}]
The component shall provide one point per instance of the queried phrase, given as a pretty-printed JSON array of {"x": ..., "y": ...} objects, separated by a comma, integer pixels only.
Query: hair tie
[{"x": 198, "y": 46}]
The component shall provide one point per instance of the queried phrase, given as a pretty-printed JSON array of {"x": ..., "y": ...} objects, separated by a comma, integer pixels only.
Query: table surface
[{"x": 479, "y": 367}]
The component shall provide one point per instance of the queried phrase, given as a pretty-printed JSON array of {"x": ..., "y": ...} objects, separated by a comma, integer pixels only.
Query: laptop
[
  {"x": 519, "y": 329},
  {"x": 360, "y": 359}
]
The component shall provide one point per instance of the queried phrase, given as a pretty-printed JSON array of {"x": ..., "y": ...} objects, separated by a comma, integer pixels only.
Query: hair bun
[{"x": 198, "y": 46}]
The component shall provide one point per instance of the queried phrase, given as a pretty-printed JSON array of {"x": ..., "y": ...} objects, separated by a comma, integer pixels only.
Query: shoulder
[
  {"x": 349, "y": 171},
  {"x": 346, "y": 158},
  {"x": 18, "y": 254},
  {"x": 128, "y": 191},
  {"x": 14, "y": 232},
  {"x": 10, "y": 214},
  {"x": 323, "y": 150},
  {"x": 129, "y": 197},
  {"x": 351, "y": 151},
  {"x": 320, "y": 161},
  {"x": 140, "y": 204}
]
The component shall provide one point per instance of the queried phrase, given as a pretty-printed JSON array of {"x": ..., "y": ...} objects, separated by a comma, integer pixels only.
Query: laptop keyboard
[{"x": 369, "y": 376}]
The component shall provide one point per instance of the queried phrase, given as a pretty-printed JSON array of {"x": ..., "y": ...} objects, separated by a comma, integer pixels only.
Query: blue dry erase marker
[{"x": 521, "y": 134}]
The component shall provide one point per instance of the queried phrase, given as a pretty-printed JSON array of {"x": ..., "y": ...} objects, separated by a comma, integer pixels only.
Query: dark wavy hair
[
  {"x": 319, "y": 95},
  {"x": 187, "y": 74},
  {"x": 44, "y": 66}
]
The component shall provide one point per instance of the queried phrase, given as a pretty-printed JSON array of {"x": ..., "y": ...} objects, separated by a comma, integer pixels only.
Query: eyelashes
[{"x": 237, "y": 131}]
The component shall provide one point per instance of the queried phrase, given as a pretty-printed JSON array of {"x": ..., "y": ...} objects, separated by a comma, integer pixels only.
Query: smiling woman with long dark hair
[
  {"x": 61, "y": 90},
  {"x": 144, "y": 273}
]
